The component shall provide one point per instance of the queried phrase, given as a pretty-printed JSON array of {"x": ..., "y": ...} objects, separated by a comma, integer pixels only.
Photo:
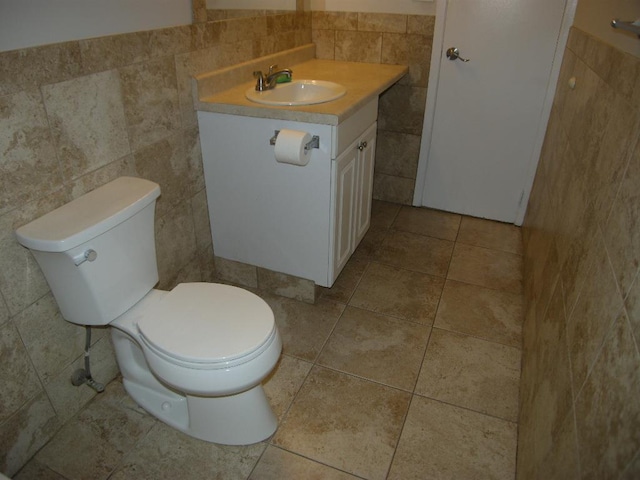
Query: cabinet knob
[{"x": 362, "y": 146}]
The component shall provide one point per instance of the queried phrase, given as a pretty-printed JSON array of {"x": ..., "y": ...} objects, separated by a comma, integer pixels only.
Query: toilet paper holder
[{"x": 314, "y": 143}]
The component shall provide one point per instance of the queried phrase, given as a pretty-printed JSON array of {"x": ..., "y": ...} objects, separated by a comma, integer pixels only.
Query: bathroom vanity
[{"x": 304, "y": 221}]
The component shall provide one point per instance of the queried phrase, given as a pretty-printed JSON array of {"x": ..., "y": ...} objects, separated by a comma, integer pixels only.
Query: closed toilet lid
[{"x": 207, "y": 323}]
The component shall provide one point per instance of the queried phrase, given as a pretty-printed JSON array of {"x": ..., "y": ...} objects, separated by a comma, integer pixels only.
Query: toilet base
[{"x": 240, "y": 419}]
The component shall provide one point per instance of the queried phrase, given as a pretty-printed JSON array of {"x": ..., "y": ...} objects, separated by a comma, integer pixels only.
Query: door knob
[{"x": 454, "y": 54}]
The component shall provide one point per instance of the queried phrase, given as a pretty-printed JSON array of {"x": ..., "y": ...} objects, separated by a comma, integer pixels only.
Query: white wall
[
  {"x": 414, "y": 7},
  {"x": 594, "y": 17},
  {"x": 28, "y": 23}
]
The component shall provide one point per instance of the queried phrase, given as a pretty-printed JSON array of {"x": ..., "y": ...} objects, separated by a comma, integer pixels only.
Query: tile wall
[
  {"x": 580, "y": 413},
  {"x": 391, "y": 39},
  {"x": 74, "y": 116}
]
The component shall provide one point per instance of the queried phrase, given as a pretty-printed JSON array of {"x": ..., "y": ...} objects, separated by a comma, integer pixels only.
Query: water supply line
[{"x": 83, "y": 375}]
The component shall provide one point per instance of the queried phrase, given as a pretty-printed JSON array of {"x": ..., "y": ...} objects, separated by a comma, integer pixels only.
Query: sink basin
[{"x": 298, "y": 92}]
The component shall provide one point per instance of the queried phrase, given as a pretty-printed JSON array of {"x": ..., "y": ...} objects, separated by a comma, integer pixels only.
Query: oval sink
[{"x": 298, "y": 92}]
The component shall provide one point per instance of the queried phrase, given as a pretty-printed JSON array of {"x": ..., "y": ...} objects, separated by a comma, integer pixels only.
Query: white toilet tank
[{"x": 98, "y": 251}]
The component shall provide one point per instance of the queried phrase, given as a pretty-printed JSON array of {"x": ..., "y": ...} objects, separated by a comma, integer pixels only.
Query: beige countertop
[{"x": 363, "y": 81}]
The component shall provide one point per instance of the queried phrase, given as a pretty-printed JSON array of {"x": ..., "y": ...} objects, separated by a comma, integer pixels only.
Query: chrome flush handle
[
  {"x": 454, "y": 54},
  {"x": 86, "y": 256}
]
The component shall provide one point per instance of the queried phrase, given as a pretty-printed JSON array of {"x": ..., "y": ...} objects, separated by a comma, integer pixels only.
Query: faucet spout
[
  {"x": 269, "y": 81},
  {"x": 272, "y": 78}
]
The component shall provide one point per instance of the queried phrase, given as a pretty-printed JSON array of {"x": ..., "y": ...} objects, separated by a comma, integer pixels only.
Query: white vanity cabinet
[{"x": 304, "y": 221}]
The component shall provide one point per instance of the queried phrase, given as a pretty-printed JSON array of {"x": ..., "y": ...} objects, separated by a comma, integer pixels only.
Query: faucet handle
[
  {"x": 273, "y": 68},
  {"x": 260, "y": 83}
]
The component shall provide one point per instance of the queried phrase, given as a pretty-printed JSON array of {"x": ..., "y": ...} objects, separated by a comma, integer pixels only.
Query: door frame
[{"x": 432, "y": 92}]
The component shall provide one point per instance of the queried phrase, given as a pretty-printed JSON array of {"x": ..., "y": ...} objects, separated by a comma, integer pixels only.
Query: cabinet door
[
  {"x": 345, "y": 173},
  {"x": 366, "y": 160}
]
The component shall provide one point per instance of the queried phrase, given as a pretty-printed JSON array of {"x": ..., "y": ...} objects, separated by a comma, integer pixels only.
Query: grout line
[
  {"x": 313, "y": 364},
  {"x": 397, "y": 443},
  {"x": 297, "y": 454},
  {"x": 386, "y": 263},
  {"x": 353, "y": 292},
  {"x": 393, "y": 318},
  {"x": 422, "y": 362},
  {"x": 293, "y": 399},
  {"x": 466, "y": 408},
  {"x": 413, "y": 396},
  {"x": 366, "y": 379},
  {"x": 267, "y": 444},
  {"x": 457, "y": 332},
  {"x": 132, "y": 450}
]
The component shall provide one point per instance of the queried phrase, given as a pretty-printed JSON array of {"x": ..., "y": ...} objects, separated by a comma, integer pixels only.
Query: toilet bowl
[{"x": 193, "y": 357}]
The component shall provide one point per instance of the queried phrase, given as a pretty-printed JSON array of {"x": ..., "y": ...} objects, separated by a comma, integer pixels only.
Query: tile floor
[{"x": 407, "y": 368}]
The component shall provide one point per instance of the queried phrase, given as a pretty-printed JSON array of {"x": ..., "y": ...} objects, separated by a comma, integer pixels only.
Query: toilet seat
[{"x": 208, "y": 326}]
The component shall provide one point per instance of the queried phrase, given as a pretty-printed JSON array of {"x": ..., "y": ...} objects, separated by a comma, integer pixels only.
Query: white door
[{"x": 488, "y": 110}]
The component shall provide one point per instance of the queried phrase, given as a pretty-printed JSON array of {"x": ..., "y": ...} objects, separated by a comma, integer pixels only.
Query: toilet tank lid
[{"x": 88, "y": 216}]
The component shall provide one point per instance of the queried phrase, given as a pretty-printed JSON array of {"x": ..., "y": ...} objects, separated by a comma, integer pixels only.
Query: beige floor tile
[
  {"x": 426, "y": 221},
  {"x": 376, "y": 347},
  {"x": 343, "y": 418},
  {"x": 303, "y": 327},
  {"x": 278, "y": 464},
  {"x": 415, "y": 252},
  {"x": 481, "y": 312},
  {"x": 490, "y": 234},
  {"x": 471, "y": 373},
  {"x": 370, "y": 242},
  {"x": 167, "y": 454},
  {"x": 445, "y": 442},
  {"x": 487, "y": 268},
  {"x": 286, "y": 285},
  {"x": 345, "y": 422},
  {"x": 383, "y": 213},
  {"x": 93, "y": 443},
  {"x": 284, "y": 382},
  {"x": 382, "y": 216},
  {"x": 347, "y": 281},
  {"x": 399, "y": 293}
]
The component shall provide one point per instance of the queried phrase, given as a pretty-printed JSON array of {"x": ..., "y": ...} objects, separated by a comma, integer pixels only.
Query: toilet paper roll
[{"x": 290, "y": 147}]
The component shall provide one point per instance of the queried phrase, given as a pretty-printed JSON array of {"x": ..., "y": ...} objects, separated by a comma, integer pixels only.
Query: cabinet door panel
[
  {"x": 345, "y": 182},
  {"x": 366, "y": 159}
]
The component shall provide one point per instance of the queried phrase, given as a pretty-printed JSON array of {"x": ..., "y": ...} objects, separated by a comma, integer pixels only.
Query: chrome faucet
[{"x": 269, "y": 81}]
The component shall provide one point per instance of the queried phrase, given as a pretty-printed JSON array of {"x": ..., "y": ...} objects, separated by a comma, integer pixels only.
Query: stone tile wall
[
  {"x": 580, "y": 413},
  {"x": 74, "y": 116},
  {"x": 390, "y": 39}
]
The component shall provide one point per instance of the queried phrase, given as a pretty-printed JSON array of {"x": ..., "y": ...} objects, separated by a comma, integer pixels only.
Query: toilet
[{"x": 195, "y": 356}]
